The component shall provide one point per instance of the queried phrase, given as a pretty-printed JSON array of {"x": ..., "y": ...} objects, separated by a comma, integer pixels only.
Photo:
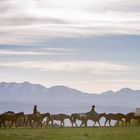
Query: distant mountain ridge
[{"x": 22, "y": 96}]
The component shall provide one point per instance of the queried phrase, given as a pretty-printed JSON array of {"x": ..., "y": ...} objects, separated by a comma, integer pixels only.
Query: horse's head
[
  {"x": 103, "y": 114},
  {"x": 21, "y": 114},
  {"x": 46, "y": 115}
]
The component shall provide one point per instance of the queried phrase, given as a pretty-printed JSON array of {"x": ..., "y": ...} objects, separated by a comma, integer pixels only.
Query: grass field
[{"x": 97, "y": 133}]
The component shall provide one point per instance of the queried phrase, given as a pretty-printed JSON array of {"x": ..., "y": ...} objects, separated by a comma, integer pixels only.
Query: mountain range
[{"x": 62, "y": 99}]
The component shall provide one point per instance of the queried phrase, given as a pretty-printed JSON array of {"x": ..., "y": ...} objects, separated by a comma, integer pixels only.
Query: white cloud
[
  {"x": 92, "y": 67},
  {"x": 46, "y": 51},
  {"x": 32, "y": 20}
]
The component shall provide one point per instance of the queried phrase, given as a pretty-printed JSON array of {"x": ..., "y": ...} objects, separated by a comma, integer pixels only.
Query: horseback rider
[
  {"x": 93, "y": 108},
  {"x": 35, "y": 109}
]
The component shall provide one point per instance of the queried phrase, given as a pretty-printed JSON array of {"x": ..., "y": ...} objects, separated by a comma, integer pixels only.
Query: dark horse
[
  {"x": 129, "y": 117},
  {"x": 35, "y": 118},
  {"x": 94, "y": 116},
  {"x": 58, "y": 117},
  {"x": 79, "y": 116},
  {"x": 118, "y": 117},
  {"x": 12, "y": 117},
  {"x": 29, "y": 118}
]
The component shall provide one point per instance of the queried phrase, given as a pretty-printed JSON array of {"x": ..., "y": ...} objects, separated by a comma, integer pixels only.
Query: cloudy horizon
[{"x": 89, "y": 45}]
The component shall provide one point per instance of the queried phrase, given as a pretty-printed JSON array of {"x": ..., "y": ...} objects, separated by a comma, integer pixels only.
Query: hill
[{"x": 22, "y": 96}]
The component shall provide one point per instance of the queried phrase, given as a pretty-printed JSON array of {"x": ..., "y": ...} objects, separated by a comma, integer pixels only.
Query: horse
[
  {"x": 128, "y": 117},
  {"x": 10, "y": 112},
  {"x": 94, "y": 116},
  {"x": 42, "y": 116},
  {"x": 138, "y": 119},
  {"x": 118, "y": 117},
  {"x": 79, "y": 116},
  {"x": 10, "y": 117},
  {"x": 35, "y": 117},
  {"x": 58, "y": 117}
]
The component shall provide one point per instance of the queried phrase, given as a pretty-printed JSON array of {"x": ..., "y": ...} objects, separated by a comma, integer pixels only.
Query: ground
[{"x": 96, "y": 133}]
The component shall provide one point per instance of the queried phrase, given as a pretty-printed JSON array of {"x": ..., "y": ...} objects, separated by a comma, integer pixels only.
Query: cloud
[
  {"x": 30, "y": 21},
  {"x": 57, "y": 51},
  {"x": 91, "y": 67}
]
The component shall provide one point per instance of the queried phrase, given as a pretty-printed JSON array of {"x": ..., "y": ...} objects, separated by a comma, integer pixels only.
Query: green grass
[{"x": 97, "y": 133}]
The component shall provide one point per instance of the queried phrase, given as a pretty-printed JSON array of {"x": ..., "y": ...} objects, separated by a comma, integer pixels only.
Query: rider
[
  {"x": 35, "y": 109},
  {"x": 93, "y": 108}
]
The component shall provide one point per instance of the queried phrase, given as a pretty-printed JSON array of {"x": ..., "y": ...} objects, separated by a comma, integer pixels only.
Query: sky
[{"x": 89, "y": 45}]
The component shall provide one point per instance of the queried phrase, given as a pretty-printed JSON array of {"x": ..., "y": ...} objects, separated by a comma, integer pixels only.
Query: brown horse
[
  {"x": 58, "y": 117},
  {"x": 138, "y": 119},
  {"x": 118, "y": 117},
  {"x": 129, "y": 117},
  {"x": 94, "y": 116},
  {"x": 10, "y": 117},
  {"x": 35, "y": 117},
  {"x": 79, "y": 116},
  {"x": 42, "y": 116}
]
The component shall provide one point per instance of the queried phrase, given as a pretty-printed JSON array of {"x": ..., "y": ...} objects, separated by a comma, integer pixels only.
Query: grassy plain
[{"x": 96, "y": 133}]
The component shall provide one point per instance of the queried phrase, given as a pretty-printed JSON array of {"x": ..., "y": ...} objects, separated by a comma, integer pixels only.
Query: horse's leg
[
  {"x": 71, "y": 123},
  {"x": 31, "y": 123},
  {"x": 81, "y": 123},
  {"x": 138, "y": 121},
  {"x": 99, "y": 123},
  {"x": 85, "y": 123},
  {"x": 130, "y": 122},
  {"x": 11, "y": 124},
  {"x": 110, "y": 122},
  {"x": 41, "y": 124},
  {"x": 24, "y": 119},
  {"x": 25, "y": 123},
  {"x": 117, "y": 122},
  {"x": 122, "y": 122},
  {"x": 75, "y": 123},
  {"x": 63, "y": 123},
  {"x": 126, "y": 122},
  {"x": 3, "y": 122},
  {"x": 0, "y": 123},
  {"x": 38, "y": 124},
  {"x": 16, "y": 124},
  {"x": 52, "y": 122},
  {"x": 94, "y": 123},
  {"x": 47, "y": 121},
  {"x": 105, "y": 122}
]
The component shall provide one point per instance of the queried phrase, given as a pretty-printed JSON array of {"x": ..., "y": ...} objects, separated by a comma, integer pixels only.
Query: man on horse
[
  {"x": 35, "y": 109},
  {"x": 93, "y": 108}
]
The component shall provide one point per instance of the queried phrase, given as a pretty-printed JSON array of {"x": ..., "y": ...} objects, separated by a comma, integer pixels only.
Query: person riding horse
[
  {"x": 93, "y": 108},
  {"x": 35, "y": 112},
  {"x": 35, "y": 109}
]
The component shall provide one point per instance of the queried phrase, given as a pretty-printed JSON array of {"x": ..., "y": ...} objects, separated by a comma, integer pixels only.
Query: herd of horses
[{"x": 42, "y": 120}]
